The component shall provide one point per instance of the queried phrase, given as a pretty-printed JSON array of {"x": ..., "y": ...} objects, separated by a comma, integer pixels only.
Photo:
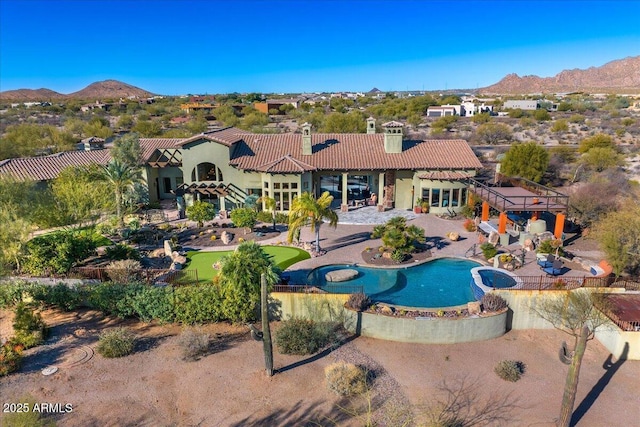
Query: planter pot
[{"x": 417, "y": 209}]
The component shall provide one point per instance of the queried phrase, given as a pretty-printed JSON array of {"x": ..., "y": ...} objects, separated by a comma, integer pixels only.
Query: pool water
[
  {"x": 497, "y": 279},
  {"x": 440, "y": 283}
]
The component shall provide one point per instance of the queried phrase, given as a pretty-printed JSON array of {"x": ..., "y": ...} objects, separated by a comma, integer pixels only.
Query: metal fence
[
  {"x": 546, "y": 283},
  {"x": 146, "y": 275},
  {"x": 309, "y": 289}
]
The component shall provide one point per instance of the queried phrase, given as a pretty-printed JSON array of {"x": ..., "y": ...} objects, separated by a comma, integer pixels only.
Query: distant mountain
[
  {"x": 622, "y": 75},
  {"x": 31, "y": 95},
  {"x": 108, "y": 89}
]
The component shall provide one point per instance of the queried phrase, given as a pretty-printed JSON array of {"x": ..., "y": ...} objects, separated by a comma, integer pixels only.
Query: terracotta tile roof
[
  {"x": 286, "y": 164},
  {"x": 150, "y": 145},
  {"x": 353, "y": 152},
  {"x": 49, "y": 167},
  {"x": 447, "y": 175},
  {"x": 226, "y": 136},
  {"x": 393, "y": 124}
]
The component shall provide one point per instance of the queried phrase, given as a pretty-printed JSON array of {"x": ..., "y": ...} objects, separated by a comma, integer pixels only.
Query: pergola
[{"x": 522, "y": 196}]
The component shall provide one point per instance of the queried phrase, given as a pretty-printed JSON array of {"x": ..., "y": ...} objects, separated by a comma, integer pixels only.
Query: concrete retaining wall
[
  {"x": 428, "y": 331},
  {"x": 321, "y": 307}
]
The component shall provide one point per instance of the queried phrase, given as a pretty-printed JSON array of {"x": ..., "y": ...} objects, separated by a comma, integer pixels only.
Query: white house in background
[
  {"x": 470, "y": 109},
  {"x": 444, "y": 110},
  {"x": 523, "y": 104}
]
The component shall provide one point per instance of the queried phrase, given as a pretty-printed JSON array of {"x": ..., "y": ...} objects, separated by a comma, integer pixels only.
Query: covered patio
[{"x": 515, "y": 202}]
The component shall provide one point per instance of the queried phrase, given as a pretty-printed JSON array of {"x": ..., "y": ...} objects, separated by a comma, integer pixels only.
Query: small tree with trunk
[
  {"x": 578, "y": 313},
  {"x": 200, "y": 212}
]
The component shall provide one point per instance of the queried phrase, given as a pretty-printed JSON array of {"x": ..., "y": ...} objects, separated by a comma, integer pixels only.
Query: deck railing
[{"x": 546, "y": 283}]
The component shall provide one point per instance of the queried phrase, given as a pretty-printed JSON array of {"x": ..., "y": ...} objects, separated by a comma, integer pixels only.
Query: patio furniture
[
  {"x": 555, "y": 269},
  {"x": 546, "y": 262},
  {"x": 603, "y": 269}
]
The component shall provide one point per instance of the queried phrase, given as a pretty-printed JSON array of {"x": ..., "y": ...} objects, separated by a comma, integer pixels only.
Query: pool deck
[{"x": 345, "y": 243}]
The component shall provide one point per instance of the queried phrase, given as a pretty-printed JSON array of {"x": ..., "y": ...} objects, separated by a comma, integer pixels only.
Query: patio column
[
  {"x": 344, "y": 207},
  {"x": 485, "y": 211},
  {"x": 502, "y": 223},
  {"x": 380, "y": 188},
  {"x": 559, "y": 225}
]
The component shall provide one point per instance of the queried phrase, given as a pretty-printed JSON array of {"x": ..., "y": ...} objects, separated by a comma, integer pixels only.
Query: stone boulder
[
  {"x": 341, "y": 275},
  {"x": 157, "y": 253},
  {"x": 473, "y": 307},
  {"x": 168, "y": 248},
  {"x": 385, "y": 309},
  {"x": 226, "y": 237}
]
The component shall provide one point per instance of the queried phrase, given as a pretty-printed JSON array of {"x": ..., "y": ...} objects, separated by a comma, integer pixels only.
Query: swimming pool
[
  {"x": 443, "y": 282},
  {"x": 484, "y": 279}
]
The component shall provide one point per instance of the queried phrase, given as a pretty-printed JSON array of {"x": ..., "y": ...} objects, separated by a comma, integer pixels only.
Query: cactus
[{"x": 266, "y": 330}]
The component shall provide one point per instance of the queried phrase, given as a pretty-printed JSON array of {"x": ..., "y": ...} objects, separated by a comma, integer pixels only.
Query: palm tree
[
  {"x": 305, "y": 209},
  {"x": 270, "y": 204},
  {"x": 121, "y": 177}
]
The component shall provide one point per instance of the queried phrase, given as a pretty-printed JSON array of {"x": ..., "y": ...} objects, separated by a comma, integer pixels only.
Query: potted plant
[
  {"x": 424, "y": 207},
  {"x": 417, "y": 208}
]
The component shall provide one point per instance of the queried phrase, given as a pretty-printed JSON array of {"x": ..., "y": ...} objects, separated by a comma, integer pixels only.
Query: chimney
[
  {"x": 371, "y": 125},
  {"x": 306, "y": 139},
  {"x": 392, "y": 137}
]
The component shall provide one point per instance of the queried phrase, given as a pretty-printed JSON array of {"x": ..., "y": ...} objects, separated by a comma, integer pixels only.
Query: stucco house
[{"x": 225, "y": 166}]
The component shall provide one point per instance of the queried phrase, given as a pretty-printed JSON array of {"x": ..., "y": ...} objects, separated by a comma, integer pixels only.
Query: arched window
[{"x": 206, "y": 172}]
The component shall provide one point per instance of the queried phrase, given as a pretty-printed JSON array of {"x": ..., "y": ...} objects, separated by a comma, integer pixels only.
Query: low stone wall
[{"x": 432, "y": 330}]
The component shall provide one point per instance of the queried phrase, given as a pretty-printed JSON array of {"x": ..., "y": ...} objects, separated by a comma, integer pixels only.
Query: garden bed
[
  {"x": 375, "y": 257},
  {"x": 202, "y": 237}
]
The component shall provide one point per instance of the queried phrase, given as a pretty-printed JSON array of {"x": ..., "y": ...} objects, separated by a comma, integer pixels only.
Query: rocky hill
[
  {"x": 31, "y": 95},
  {"x": 108, "y": 89},
  {"x": 620, "y": 76}
]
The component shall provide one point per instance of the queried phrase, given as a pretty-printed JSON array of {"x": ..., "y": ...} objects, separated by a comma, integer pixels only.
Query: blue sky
[{"x": 198, "y": 46}]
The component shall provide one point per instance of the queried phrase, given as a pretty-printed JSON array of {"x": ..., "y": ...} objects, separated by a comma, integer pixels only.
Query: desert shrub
[
  {"x": 282, "y": 218},
  {"x": 398, "y": 256},
  {"x": 244, "y": 218},
  {"x": 493, "y": 302},
  {"x": 469, "y": 225},
  {"x": 345, "y": 379},
  {"x": 56, "y": 252},
  {"x": 197, "y": 304},
  {"x": 105, "y": 297},
  {"x": 358, "y": 301},
  {"x": 488, "y": 250},
  {"x": 301, "y": 336},
  {"x": 29, "y": 327},
  {"x": 122, "y": 252},
  {"x": 123, "y": 271},
  {"x": 10, "y": 358},
  {"x": 551, "y": 246},
  {"x": 194, "y": 344},
  {"x": 264, "y": 216},
  {"x": 66, "y": 297},
  {"x": 509, "y": 370},
  {"x": 11, "y": 294},
  {"x": 116, "y": 342},
  {"x": 152, "y": 303}
]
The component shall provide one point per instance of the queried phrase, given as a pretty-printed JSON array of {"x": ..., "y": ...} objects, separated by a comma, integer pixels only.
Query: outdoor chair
[
  {"x": 555, "y": 269},
  {"x": 547, "y": 262}
]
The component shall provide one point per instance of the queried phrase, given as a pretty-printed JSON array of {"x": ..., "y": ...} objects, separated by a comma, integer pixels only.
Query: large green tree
[
  {"x": 493, "y": 133},
  {"x": 79, "y": 194},
  {"x": 14, "y": 234},
  {"x": 618, "y": 233},
  {"x": 528, "y": 160},
  {"x": 121, "y": 178},
  {"x": 127, "y": 150},
  {"x": 239, "y": 280},
  {"x": 307, "y": 210},
  {"x": 27, "y": 139}
]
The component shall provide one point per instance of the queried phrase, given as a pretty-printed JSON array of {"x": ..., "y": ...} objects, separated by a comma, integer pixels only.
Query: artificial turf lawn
[{"x": 283, "y": 256}]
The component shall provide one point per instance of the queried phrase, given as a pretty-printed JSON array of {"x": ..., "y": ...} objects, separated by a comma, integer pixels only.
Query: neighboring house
[
  {"x": 275, "y": 104},
  {"x": 443, "y": 110},
  {"x": 226, "y": 165},
  {"x": 523, "y": 104},
  {"x": 470, "y": 109}
]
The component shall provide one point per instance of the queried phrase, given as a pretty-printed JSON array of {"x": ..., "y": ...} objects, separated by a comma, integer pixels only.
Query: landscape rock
[
  {"x": 341, "y": 275},
  {"x": 226, "y": 237},
  {"x": 168, "y": 248}
]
